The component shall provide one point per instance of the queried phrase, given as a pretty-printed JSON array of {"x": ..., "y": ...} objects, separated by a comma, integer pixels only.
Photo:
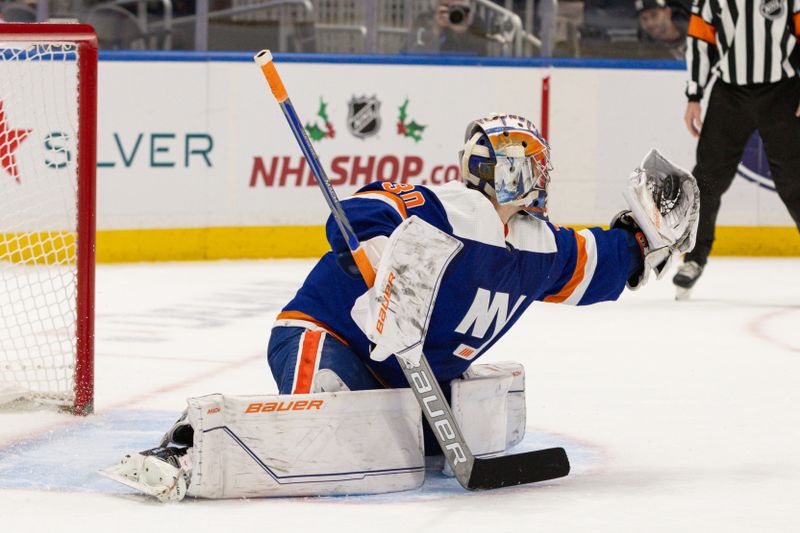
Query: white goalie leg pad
[
  {"x": 489, "y": 405},
  {"x": 394, "y": 314},
  {"x": 362, "y": 442}
]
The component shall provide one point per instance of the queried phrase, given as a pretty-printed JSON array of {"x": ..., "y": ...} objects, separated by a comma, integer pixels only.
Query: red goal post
[{"x": 48, "y": 117}]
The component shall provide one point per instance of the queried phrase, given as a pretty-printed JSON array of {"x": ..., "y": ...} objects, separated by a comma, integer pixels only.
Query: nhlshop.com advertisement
[{"x": 204, "y": 145}]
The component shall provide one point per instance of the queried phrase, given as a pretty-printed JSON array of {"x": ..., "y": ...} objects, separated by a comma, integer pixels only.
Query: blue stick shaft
[{"x": 319, "y": 173}]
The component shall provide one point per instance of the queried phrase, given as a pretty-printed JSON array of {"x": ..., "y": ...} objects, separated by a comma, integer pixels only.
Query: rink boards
[{"x": 195, "y": 159}]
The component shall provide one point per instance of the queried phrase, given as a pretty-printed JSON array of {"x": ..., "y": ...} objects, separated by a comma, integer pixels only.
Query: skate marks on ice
[
  {"x": 771, "y": 322},
  {"x": 194, "y": 312},
  {"x": 68, "y": 459}
]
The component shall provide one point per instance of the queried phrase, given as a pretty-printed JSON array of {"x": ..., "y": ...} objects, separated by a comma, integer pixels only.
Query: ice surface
[{"x": 677, "y": 416}]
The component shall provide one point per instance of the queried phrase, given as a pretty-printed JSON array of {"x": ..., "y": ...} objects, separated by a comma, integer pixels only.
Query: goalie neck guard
[{"x": 506, "y": 158}]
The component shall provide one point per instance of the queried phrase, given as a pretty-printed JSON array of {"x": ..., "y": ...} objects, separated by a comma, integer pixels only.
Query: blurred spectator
[
  {"x": 569, "y": 20},
  {"x": 453, "y": 27},
  {"x": 18, "y": 11},
  {"x": 664, "y": 25},
  {"x": 610, "y": 29}
]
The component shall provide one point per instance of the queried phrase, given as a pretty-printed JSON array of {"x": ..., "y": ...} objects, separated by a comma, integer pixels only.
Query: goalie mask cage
[{"x": 48, "y": 112}]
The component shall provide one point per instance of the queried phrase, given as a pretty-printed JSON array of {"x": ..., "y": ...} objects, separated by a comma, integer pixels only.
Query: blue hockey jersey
[{"x": 500, "y": 271}]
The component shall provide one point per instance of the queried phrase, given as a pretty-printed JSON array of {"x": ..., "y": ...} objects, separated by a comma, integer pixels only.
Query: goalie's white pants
[{"x": 361, "y": 442}]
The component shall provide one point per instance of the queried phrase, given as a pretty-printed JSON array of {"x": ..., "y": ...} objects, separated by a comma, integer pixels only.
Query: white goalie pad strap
[
  {"x": 672, "y": 222},
  {"x": 488, "y": 403},
  {"x": 364, "y": 442},
  {"x": 394, "y": 314}
]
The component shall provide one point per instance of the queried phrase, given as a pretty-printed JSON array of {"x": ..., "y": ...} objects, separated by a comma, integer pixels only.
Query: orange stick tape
[
  {"x": 274, "y": 80},
  {"x": 364, "y": 266}
]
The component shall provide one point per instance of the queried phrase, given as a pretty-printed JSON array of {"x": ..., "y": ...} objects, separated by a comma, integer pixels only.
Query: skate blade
[
  {"x": 112, "y": 472},
  {"x": 682, "y": 294}
]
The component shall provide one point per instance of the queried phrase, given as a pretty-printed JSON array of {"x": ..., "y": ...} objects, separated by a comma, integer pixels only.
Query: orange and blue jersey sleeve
[
  {"x": 590, "y": 266},
  {"x": 378, "y": 208}
]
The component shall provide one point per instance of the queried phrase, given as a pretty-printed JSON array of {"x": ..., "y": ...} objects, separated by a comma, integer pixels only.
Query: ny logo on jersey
[{"x": 484, "y": 310}]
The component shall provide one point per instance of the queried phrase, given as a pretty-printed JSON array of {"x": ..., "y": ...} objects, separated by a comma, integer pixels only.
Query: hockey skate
[
  {"x": 181, "y": 433},
  {"x": 160, "y": 472},
  {"x": 685, "y": 278}
]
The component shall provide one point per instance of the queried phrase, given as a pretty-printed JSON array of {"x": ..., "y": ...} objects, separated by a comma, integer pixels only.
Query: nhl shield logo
[
  {"x": 772, "y": 9},
  {"x": 363, "y": 116}
]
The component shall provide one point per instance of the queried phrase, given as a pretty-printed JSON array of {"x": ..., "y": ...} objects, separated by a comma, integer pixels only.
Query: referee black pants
[{"x": 734, "y": 113}]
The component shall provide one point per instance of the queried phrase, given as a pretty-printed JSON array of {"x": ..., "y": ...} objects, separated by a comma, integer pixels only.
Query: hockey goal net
[{"x": 48, "y": 94}]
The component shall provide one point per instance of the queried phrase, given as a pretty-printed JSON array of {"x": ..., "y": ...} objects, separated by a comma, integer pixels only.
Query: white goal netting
[{"x": 38, "y": 218}]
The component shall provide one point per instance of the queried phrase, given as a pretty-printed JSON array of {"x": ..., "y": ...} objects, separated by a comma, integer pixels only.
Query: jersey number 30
[{"x": 406, "y": 192}]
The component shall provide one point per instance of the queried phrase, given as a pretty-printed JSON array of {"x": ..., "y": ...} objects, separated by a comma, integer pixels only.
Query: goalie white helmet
[{"x": 506, "y": 158}]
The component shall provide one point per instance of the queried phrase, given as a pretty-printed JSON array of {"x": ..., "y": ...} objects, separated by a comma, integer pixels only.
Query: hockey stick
[{"x": 471, "y": 472}]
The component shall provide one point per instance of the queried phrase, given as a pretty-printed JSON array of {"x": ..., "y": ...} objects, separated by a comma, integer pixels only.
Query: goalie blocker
[{"x": 359, "y": 442}]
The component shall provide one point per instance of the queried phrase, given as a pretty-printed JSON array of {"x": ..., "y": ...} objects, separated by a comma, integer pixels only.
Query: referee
[{"x": 751, "y": 47}]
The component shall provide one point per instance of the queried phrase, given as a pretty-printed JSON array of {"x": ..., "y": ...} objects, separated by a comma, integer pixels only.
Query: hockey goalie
[{"x": 456, "y": 266}]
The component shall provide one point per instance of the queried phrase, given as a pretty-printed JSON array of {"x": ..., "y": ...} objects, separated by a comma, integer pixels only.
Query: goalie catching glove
[{"x": 664, "y": 204}]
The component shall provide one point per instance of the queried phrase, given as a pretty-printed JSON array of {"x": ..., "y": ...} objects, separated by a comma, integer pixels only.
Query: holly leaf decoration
[
  {"x": 411, "y": 129},
  {"x": 402, "y": 110},
  {"x": 315, "y": 132},
  {"x": 414, "y": 130},
  {"x": 323, "y": 110}
]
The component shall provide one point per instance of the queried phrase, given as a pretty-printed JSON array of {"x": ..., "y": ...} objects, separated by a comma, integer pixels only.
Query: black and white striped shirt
[{"x": 742, "y": 41}]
